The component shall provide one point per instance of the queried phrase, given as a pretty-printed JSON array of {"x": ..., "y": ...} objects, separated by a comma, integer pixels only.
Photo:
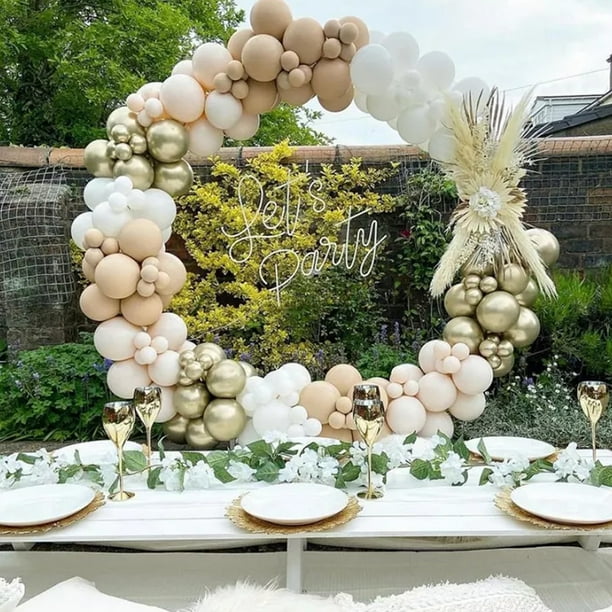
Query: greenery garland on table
[{"x": 278, "y": 460}]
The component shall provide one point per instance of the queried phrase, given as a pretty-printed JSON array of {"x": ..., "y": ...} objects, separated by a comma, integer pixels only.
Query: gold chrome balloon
[
  {"x": 224, "y": 419},
  {"x": 124, "y": 116},
  {"x": 471, "y": 281},
  {"x": 138, "y": 169},
  {"x": 214, "y": 351},
  {"x": 226, "y": 379},
  {"x": 96, "y": 159},
  {"x": 455, "y": 304},
  {"x": 494, "y": 361},
  {"x": 119, "y": 133},
  {"x": 473, "y": 296},
  {"x": 505, "y": 348},
  {"x": 249, "y": 370},
  {"x": 138, "y": 144},
  {"x": 176, "y": 428},
  {"x": 546, "y": 244},
  {"x": 186, "y": 357},
  {"x": 167, "y": 140},
  {"x": 123, "y": 151},
  {"x": 175, "y": 178},
  {"x": 497, "y": 311},
  {"x": 512, "y": 278},
  {"x": 191, "y": 401},
  {"x": 507, "y": 363},
  {"x": 194, "y": 370},
  {"x": 525, "y": 330},
  {"x": 197, "y": 435},
  {"x": 529, "y": 295},
  {"x": 488, "y": 284},
  {"x": 466, "y": 330},
  {"x": 487, "y": 348}
]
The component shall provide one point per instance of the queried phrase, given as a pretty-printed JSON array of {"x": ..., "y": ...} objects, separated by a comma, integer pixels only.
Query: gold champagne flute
[
  {"x": 369, "y": 416},
  {"x": 147, "y": 402},
  {"x": 118, "y": 420},
  {"x": 593, "y": 398}
]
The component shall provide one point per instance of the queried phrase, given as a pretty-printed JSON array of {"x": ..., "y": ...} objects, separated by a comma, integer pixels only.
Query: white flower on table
[
  {"x": 398, "y": 452},
  {"x": 200, "y": 476},
  {"x": 452, "y": 468},
  {"x": 9, "y": 468},
  {"x": 509, "y": 472},
  {"x": 240, "y": 471},
  {"x": 569, "y": 464},
  {"x": 170, "y": 475}
]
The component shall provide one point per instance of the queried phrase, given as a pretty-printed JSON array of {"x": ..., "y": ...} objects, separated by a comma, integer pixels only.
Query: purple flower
[{"x": 406, "y": 233}]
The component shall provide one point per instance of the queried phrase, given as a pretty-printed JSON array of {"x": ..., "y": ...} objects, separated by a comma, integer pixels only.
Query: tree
[{"x": 66, "y": 64}]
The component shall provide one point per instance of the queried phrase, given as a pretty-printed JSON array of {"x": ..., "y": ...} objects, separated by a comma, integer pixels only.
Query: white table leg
[
  {"x": 590, "y": 543},
  {"x": 295, "y": 548},
  {"x": 22, "y": 545}
]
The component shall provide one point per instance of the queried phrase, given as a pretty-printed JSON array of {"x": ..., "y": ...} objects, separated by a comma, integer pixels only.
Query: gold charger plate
[
  {"x": 504, "y": 502},
  {"x": 241, "y": 519},
  {"x": 97, "y": 502}
]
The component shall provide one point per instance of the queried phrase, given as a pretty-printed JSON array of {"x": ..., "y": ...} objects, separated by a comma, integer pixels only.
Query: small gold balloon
[
  {"x": 96, "y": 160},
  {"x": 176, "y": 428},
  {"x": 226, "y": 379},
  {"x": 120, "y": 133},
  {"x": 494, "y": 361},
  {"x": 194, "y": 370},
  {"x": 529, "y": 295},
  {"x": 455, "y": 304},
  {"x": 466, "y": 330},
  {"x": 212, "y": 350},
  {"x": 488, "y": 284},
  {"x": 224, "y": 419},
  {"x": 186, "y": 357},
  {"x": 197, "y": 435},
  {"x": 206, "y": 361},
  {"x": 123, "y": 151},
  {"x": 167, "y": 140},
  {"x": 507, "y": 363},
  {"x": 473, "y": 296},
  {"x": 185, "y": 381},
  {"x": 175, "y": 178},
  {"x": 479, "y": 270},
  {"x": 494, "y": 338},
  {"x": 191, "y": 401},
  {"x": 487, "y": 348},
  {"x": 546, "y": 244},
  {"x": 497, "y": 311},
  {"x": 471, "y": 281},
  {"x": 525, "y": 330},
  {"x": 249, "y": 370},
  {"x": 138, "y": 169},
  {"x": 138, "y": 144},
  {"x": 124, "y": 116},
  {"x": 505, "y": 348},
  {"x": 110, "y": 150},
  {"x": 512, "y": 278}
]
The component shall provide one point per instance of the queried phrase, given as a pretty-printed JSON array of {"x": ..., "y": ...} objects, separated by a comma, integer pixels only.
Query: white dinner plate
[
  {"x": 93, "y": 452},
  {"x": 298, "y": 503},
  {"x": 565, "y": 502},
  {"x": 507, "y": 447},
  {"x": 42, "y": 504}
]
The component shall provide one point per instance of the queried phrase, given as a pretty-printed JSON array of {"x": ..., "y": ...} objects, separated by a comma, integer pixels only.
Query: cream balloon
[
  {"x": 182, "y": 97},
  {"x": 437, "y": 392},
  {"x": 437, "y": 422},
  {"x": 172, "y": 327},
  {"x": 124, "y": 376},
  {"x": 204, "y": 138},
  {"x": 245, "y": 128},
  {"x": 468, "y": 407},
  {"x": 406, "y": 415},
  {"x": 165, "y": 371},
  {"x": 209, "y": 60},
  {"x": 223, "y": 111},
  {"x": 475, "y": 375},
  {"x": 114, "y": 339}
]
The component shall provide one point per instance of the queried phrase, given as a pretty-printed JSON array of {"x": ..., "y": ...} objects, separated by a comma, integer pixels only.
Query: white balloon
[
  {"x": 290, "y": 399},
  {"x": 473, "y": 88},
  {"x": 312, "y": 427},
  {"x": 298, "y": 373},
  {"x": 411, "y": 79},
  {"x": 403, "y": 48},
  {"x": 223, "y": 111},
  {"x": 248, "y": 402},
  {"x": 372, "y": 69},
  {"x": 442, "y": 146},
  {"x": 298, "y": 415},
  {"x": 393, "y": 123},
  {"x": 108, "y": 221},
  {"x": 159, "y": 207},
  {"x": 296, "y": 430},
  {"x": 383, "y": 107},
  {"x": 414, "y": 125},
  {"x": 376, "y": 37},
  {"x": 437, "y": 69},
  {"x": 361, "y": 99},
  {"x": 79, "y": 227},
  {"x": 279, "y": 381},
  {"x": 183, "y": 67},
  {"x": 204, "y": 138},
  {"x": 123, "y": 184},
  {"x": 97, "y": 191},
  {"x": 208, "y": 61},
  {"x": 117, "y": 201},
  {"x": 253, "y": 382},
  {"x": 248, "y": 434},
  {"x": 438, "y": 110},
  {"x": 166, "y": 233},
  {"x": 136, "y": 199},
  {"x": 263, "y": 393},
  {"x": 271, "y": 417},
  {"x": 246, "y": 127}
]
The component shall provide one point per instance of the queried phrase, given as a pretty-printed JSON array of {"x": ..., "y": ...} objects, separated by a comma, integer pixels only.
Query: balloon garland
[{"x": 220, "y": 92}]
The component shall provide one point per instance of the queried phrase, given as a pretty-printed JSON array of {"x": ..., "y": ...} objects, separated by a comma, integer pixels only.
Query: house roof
[{"x": 586, "y": 115}]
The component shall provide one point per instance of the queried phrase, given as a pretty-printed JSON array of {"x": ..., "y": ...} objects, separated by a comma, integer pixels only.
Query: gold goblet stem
[
  {"x": 147, "y": 402},
  {"x": 118, "y": 422},
  {"x": 148, "y": 429},
  {"x": 593, "y": 439},
  {"x": 370, "y": 494}
]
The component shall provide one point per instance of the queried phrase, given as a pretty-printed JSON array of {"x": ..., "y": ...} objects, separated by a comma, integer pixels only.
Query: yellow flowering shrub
[{"x": 286, "y": 259}]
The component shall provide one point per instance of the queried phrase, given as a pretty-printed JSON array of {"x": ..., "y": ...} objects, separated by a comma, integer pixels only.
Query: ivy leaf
[
  {"x": 286, "y": 447},
  {"x": 260, "y": 448},
  {"x": 333, "y": 450},
  {"x": 222, "y": 474},
  {"x": 134, "y": 461},
  {"x": 484, "y": 476},
  {"x": 29, "y": 459},
  {"x": 461, "y": 449},
  {"x": 350, "y": 472},
  {"x": 153, "y": 478},
  {"x": 268, "y": 472},
  {"x": 77, "y": 457},
  {"x": 419, "y": 469},
  {"x": 411, "y": 439},
  {"x": 161, "y": 449},
  {"x": 193, "y": 457},
  {"x": 340, "y": 482},
  {"x": 537, "y": 467},
  {"x": 68, "y": 472},
  {"x": 113, "y": 488},
  {"x": 380, "y": 463},
  {"x": 601, "y": 475},
  {"x": 482, "y": 449}
]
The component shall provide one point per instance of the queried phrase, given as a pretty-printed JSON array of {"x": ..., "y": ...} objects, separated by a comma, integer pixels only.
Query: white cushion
[{"x": 78, "y": 595}]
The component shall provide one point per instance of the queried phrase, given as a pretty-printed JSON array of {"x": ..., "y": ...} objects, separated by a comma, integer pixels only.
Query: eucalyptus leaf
[
  {"x": 193, "y": 457},
  {"x": 484, "y": 476},
  {"x": 134, "y": 461},
  {"x": 153, "y": 479},
  {"x": 482, "y": 449}
]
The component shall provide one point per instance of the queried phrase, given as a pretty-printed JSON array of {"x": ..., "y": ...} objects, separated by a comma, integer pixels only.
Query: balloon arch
[{"x": 221, "y": 92}]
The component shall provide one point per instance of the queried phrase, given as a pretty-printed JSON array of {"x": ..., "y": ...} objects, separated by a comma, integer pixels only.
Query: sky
[{"x": 512, "y": 44}]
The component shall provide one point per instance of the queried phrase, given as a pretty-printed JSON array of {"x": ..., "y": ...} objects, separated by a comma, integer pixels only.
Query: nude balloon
[
  {"x": 124, "y": 376},
  {"x": 204, "y": 138},
  {"x": 437, "y": 422},
  {"x": 343, "y": 376},
  {"x": 475, "y": 375},
  {"x": 404, "y": 372},
  {"x": 114, "y": 339},
  {"x": 117, "y": 276},
  {"x": 165, "y": 370},
  {"x": 437, "y": 392},
  {"x": 182, "y": 97},
  {"x": 468, "y": 407},
  {"x": 209, "y": 60},
  {"x": 406, "y": 415},
  {"x": 172, "y": 327}
]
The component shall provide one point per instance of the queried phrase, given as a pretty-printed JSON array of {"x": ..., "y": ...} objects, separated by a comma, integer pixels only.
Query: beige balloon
[
  {"x": 455, "y": 304},
  {"x": 336, "y": 105},
  {"x": 191, "y": 401},
  {"x": 224, "y": 418},
  {"x": 261, "y": 98},
  {"x": 214, "y": 351},
  {"x": 124, "y": 116},
  {"x": 167, "y": 140},
  {"x": 305, "y": 37},
  {"x": 174, "y": 178},
  {"x": 97, "y": 161},
  {"x": 176, "y": 428},
  {"x": 546, "y": 244},
  {"x": 466, "y": 330},
  {"x": 138, "y": 169},
  {"x": 237, "y": 41},
  {"x": 497, "y": 311},
  {"x": 226, "y": 379},
  {"x": 525, "y": 330},
  {"x": 512, "y": 278},
  {"x": 197, "y": 436},
  {"x": 270, "y": 17},
  {"x": 331, "y": 78},
  {"x": 507, "y": 363},
  {"x": 529, "y": 295},
  {"x": 298, "y": 95},
  {"x": 363, "y": 35}
]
